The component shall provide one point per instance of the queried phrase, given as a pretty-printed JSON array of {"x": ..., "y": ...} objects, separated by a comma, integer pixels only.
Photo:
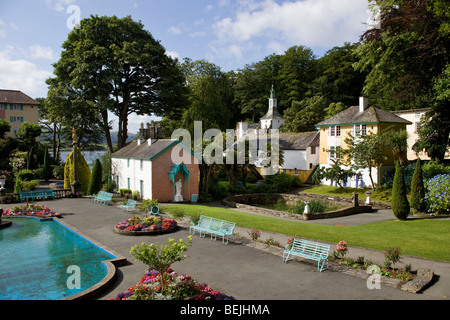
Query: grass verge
[{"x": 426, "y": 238}]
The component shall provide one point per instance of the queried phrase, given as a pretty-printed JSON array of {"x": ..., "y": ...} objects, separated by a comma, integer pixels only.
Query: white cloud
[
  {"x": 174, "y": 31},
  {"x": 40, "y": 52},
  {"x": 59, "y": 5},
  {"x": 313, "y": 23},
  {"x": 22, "y": 75},
  {"x": 173, "y": 54}
]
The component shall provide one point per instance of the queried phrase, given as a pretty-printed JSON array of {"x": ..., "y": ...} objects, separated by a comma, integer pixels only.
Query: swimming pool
[{"x": 37, "y": 259}]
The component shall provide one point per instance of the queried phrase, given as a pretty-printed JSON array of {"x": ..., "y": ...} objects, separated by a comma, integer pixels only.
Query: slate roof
[
  {"x": 295, "y": 141},
  {"x": 372, "y": 115},
  {"x": 143, "y": 151},
  {"x": 16, "y": 97},
  {"x": 273, "y": 114}
]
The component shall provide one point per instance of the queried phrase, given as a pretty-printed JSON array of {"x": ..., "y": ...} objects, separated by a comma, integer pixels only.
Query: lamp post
[{"x": 76, "y": 185}]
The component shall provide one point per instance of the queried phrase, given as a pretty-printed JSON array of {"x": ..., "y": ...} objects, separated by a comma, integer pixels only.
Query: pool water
[{"x": 35, "y": 257}]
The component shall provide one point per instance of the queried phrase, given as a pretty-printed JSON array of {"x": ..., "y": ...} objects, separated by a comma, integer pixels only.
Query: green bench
[
  {"x": 129, "y": 206},
  {"x": 308, "y": 250},
  {"x": 36, "y": 194},
  {"x": 103, "y": 198},
  {"x": 215, "y": 227}
]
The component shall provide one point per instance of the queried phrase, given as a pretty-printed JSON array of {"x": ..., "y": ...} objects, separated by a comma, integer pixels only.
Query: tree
[
  {"x": 405, "y": 53},
  {"x": 335, "y": 173},
  {"x": 305, "y": 114},
  {"x": 365, "y": 152},
  {"x": 84, "y": 172},
  {"x": 399, "y": 203},
  {"x": 161, "y": 258},
  {"x": 95, "y": 184},
  {"x": 28, "y": 133},
  {"x": 397, "y": 141},
  {"x": 417, "y": 189},
  {"x": 112, "y": 64},
  {"x": 47, "y": 171},
  {"x": 434, "y": 130}
]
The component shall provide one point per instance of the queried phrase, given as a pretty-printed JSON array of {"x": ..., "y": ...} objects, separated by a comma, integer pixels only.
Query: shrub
[
  {"x": 392, "y": 256},
  {"x": 341, "y": 249},
  {"x": 282, "y": 182},
  {"x": 95, "y": 185},
  {"x": 161, "y": 258},
  {"x": 438, "y": 193},
  {"x": 399, "y": 202},
  {"x": 417, "y": 189},
  {"x": 58, "y": 172},
  {"x": 109, "y": 186},
  {"x": 84, "y": 172},
  {"x": 255, "y": 234},
  {"x": 123, "y": 192},
  {"x": 47, "y": 172}
]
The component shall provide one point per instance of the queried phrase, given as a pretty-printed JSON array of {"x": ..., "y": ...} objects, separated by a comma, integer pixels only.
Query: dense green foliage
[
  {"x": 399, "y": 204},
  {"x": 417, "y": 199},
  {"x": 95, "y": 184},
  {"x": 84, "y": 172}
]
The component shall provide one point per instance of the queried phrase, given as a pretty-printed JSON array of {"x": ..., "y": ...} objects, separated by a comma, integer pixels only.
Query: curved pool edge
[{"x": 111, "y": 265}]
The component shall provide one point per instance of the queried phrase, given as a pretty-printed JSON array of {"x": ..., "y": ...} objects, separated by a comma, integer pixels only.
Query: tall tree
[
  {"x": 112, "y": 64},
  {"x": 404, "y": 54}
]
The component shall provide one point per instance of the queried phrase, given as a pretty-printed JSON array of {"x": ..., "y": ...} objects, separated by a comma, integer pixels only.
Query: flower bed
[
  {"x": 138, "y": 225},
  {"x": 31, "y": 210},
  {"x": 177, "y": 287}
]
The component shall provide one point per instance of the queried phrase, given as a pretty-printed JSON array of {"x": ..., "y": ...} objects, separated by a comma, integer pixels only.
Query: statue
[{"x": 178, "y": 196}]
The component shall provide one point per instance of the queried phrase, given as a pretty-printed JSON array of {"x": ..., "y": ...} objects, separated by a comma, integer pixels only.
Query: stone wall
[{"x": 247, "y": 202}]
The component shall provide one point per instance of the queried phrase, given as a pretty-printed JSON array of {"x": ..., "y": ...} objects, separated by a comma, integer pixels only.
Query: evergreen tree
[
  {"x": 95, "y": 185},
  {"x": 84, "y": 172},
  {"x": 399, "y": 202},
  {"x": 417, "y": 189},
  {"x": 47, "y": 172}
]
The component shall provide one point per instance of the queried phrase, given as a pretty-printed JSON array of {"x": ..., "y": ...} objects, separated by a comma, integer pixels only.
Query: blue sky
[{"x": 229, "y": 33}]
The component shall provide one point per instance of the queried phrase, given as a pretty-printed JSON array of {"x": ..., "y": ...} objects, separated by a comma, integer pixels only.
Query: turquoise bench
[
  {"x": 308, "y": 250},
  {"x": 37, "y": 194},
  {"x": 215, "y": 227},
  {"x": 129, "y": 206},
  {"x": 103, "y": 198}
]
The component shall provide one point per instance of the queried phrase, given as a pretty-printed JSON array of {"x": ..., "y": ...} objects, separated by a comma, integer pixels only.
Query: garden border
[
  {"x": 242, "y": 200},
  {"x": 145, "y": 233}
]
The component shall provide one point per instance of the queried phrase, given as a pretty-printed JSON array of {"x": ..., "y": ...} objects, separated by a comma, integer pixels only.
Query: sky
[{"x": 228, "y": 33}]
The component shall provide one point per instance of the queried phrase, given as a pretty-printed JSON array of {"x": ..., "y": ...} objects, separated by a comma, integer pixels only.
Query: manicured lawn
[
  {"x": 427, "y": 238},
  {"x": 380, "y": 194}
]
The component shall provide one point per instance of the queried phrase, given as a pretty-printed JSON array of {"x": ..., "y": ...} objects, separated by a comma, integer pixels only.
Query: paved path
[{"x": 241, "y": 271}]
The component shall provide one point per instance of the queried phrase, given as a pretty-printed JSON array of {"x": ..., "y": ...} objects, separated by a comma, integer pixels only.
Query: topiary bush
[
  {"x": 95, "y": 185},
  {"x": 438, "y": 194},
  {"x": 417, "y": 199},
  {"x": 399, "y": 203},
  {"x": 84, "y": 172}
]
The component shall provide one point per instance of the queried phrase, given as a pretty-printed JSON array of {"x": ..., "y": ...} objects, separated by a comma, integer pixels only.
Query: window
[
  {"x": 332, "y": 152},
  {"x": 128, "y": 164},
  {"x": 295, "y": 172},
  {"x": 338, "y": 131},
  {"x": 142, "y": 164},
  {"x": 313, "y": 150},
  {"x": 332, "y": 131},
  {"x": 360, "y": 129},
  {"x": 128, "y": 182},
  {"x": 15, "y": 119},
  {"x": 417, "y": 127}
]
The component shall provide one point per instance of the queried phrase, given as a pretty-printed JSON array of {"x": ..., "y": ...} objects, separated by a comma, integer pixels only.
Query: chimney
[
  {"x": 141, "y": 135},
  {"x": 363, "y": 103}
]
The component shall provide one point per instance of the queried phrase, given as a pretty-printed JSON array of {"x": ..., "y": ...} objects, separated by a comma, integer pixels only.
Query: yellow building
[
  {"x": 357, "y": 120},
  {"x": 16, "y": 108}
]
